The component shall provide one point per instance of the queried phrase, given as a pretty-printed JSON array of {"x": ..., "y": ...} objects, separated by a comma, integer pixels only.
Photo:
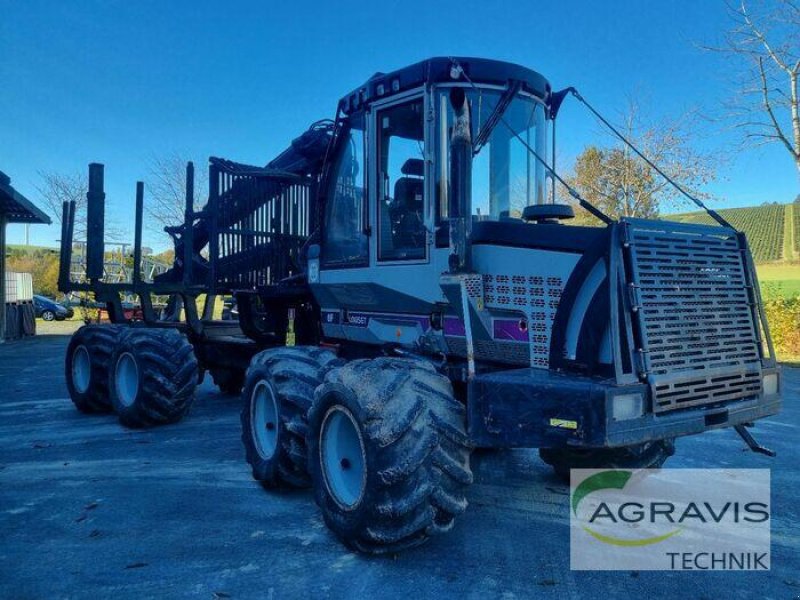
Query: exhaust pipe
[{"x": 460, "y": 198}]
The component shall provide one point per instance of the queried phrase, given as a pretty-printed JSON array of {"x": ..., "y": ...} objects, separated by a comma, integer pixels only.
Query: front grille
[{"x": 692, "y": 305}]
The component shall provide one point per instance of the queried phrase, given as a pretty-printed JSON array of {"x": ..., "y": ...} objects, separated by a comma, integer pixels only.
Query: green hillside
[
  {"x": 23, "y": 249},
  {"x": 795, "y": 207},
  {"x": 766, "y": 227}
]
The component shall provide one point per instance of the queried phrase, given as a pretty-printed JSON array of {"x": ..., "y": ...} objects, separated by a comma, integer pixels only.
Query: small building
[{"x": 14, "y": 208}]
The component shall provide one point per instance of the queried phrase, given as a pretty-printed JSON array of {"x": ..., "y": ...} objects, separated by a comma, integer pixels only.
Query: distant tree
[
  {"x": 765, "y": 45},
  {"x": 43, "y": 267},
  {"x": 165, "y": 191},
  {"x": 167, "y": 256},
  {"x": 56, "y": 188},
  {"x": 621, "y": 184}
]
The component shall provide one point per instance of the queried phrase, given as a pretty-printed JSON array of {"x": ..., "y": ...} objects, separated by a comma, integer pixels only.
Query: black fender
[{"x": 579, "y": 341}]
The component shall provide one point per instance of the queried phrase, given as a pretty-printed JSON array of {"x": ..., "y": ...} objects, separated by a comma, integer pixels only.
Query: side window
[
  {"x": 344, "y": 238},
  {"x": 401, "y": 182}
]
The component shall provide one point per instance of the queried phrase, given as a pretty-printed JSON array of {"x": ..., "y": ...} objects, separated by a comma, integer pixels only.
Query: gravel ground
[{"x": 89, "y": 509}]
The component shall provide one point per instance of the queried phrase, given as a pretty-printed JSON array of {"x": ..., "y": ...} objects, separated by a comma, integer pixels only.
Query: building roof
[{"x": 15, "y": 207}]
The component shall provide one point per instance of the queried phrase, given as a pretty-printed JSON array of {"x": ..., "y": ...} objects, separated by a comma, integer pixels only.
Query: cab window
[
  {"x": 345, "y": 237},
  {"x": 401, "y": 182}
]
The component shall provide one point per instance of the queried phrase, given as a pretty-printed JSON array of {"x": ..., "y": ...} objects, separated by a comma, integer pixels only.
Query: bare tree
[
  {"x": 165, "y": 200},
  {"x": 766, "y": 43},
  {"x": 621, "y": 184},
  {"x": 56, "y": 188}
]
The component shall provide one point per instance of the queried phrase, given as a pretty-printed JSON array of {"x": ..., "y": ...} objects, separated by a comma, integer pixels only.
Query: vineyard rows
[
  {"x": 763, "y": 225},
  {"x": 796, "y": 211}
]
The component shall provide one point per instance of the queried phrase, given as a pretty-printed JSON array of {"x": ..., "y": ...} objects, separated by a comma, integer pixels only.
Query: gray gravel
[{"x": 89, "y": 509}]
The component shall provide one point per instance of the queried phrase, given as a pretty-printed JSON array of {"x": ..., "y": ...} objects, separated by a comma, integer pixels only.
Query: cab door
[
  {"x": 400, "y": 176},
  {"x": 390, "y": 296}
]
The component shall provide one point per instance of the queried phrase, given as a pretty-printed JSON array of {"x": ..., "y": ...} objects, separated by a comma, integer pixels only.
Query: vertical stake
[
  {"x": 188, "y": 226},
  {"x": 137, "y": 237}
]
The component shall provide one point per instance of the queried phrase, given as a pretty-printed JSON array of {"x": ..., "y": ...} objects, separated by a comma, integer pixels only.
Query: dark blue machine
[{"x": 412, "y": 256}]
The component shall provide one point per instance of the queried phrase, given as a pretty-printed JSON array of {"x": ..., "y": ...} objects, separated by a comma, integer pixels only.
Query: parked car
[{"x": 50, "y": 310}]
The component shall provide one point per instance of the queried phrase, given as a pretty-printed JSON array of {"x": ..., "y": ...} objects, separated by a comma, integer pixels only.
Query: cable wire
[
  {"x": 588, "y": 206},
  {"x": 712, "y": 213}
]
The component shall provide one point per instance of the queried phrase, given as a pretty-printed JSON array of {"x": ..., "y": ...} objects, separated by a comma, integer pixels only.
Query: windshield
[{"x": 506, "y": 177}]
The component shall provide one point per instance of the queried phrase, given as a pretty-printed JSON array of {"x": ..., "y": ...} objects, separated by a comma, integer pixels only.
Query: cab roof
[{"x": 444, "y": 70}]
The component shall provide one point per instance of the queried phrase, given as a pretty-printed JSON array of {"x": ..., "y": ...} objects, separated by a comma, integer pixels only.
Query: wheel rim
[
  {"x": 264, "y": 419},
  {"x": 81, "y": 369},
  {"x": 126, "y": 379},
  {"x": 48, "y": 316},
  {"x": 343, "y": 458}
]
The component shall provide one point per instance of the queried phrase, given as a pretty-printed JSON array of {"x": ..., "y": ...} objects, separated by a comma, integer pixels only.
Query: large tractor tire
[
  {"x": 153, "y": 377},
  {"x": 278, "y": 392},
  {"x": 650, "y": 455},
  {"x": 388, "y": 454},
  {"x": 87, "y": 366}
]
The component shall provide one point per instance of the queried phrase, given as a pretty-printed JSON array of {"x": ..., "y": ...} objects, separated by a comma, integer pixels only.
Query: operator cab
[{"x": 388, "y": 194}]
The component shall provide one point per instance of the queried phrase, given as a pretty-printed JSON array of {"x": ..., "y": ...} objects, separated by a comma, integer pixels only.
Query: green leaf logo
[{"x": 611, "y": 480}]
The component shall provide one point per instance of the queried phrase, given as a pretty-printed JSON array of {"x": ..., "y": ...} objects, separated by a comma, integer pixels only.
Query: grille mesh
[
  {"x": 536, "y": 296},
  {"x": 694, "y": 314}
]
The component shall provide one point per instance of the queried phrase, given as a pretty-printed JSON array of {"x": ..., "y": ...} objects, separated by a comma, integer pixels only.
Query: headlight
[
  {"x": 770, "y": 384},
  {"x": 627, "y": 406}
]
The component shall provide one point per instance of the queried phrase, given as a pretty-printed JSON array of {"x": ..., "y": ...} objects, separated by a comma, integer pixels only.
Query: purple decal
[
  {"x": 454, "y": 326},
  {"x": 515, "y": 330}
]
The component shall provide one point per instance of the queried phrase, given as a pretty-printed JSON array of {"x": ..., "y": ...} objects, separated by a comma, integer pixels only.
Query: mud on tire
[
  {"x": 650, "y": 455},
  {"x": 153, "y": 377},
  {"x": 87, "y": 366},
  {"x": 414, "y": 453},
  {"x": 278, "y": 392}
]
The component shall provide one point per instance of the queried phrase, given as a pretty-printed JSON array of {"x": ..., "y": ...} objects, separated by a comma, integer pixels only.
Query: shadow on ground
[{"x": 89, "y": 509}]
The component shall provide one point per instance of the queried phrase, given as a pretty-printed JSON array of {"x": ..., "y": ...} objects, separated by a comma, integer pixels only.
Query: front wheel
[
  {"x": 48, "y": 315},
  {"x": 278, "y": 391},
  {"x": 650, "y": 455},
  {"x": 388, "y": 454}
]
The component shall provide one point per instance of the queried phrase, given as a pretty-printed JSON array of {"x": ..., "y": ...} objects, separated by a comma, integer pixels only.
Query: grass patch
[{"x": 779, "y": 280}]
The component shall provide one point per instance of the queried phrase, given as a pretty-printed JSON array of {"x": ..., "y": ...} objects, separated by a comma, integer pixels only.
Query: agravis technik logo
[
  {"x": 613, "y": 480},
  {"x": 677, "y": 519}
]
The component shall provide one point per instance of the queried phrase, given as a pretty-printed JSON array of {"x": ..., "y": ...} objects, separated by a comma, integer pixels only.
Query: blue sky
[{"x": 120, "y": 82}]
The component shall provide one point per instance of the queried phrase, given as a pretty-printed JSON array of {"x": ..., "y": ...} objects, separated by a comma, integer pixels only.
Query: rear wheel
[
  {"x": 153, "y": 376},
  {"x": 48, "y": 315},
  {"x": 87, "y": 366},
  {"x": 650, "y": 455},
  {"x": 388, "y": 454},
  {"x": 278, "y": 391}
]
